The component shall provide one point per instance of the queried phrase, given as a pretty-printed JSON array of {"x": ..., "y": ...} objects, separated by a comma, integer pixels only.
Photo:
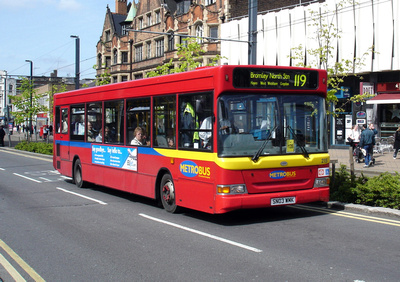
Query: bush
[
  {"x": 36, "y": 147},
  {"x": 380, "y": 191}
]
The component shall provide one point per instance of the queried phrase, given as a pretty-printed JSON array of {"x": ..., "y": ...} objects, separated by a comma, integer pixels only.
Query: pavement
[{"x": 384, "y": 162}]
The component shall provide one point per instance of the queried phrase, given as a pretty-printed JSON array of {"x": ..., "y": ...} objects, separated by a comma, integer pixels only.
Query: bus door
[{"x": 62, "y": 139}]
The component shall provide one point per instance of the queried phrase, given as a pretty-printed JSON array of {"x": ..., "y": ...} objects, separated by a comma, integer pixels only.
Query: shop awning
[{"x": 385, "y": 99}]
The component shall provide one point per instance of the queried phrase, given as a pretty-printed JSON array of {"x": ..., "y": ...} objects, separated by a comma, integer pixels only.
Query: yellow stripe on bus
[{"x": 244, "y": 163}]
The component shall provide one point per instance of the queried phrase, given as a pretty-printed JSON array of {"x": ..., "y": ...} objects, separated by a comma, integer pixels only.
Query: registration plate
[{"x": 283, "y": 201}]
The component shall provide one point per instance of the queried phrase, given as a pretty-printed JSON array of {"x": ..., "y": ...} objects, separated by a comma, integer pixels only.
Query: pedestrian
[
  {"x": 2, "y": 134},
  {"x": 354, "y": 137},
  {"x": 45, "y": 132},
  {"x": 367, "y": 142},
  {"x": 396, "y": 142}
]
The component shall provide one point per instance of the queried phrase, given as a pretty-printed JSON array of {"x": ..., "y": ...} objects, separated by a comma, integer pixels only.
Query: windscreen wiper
[
  {"x": 257, "y": 155},
  {"x": 302, "y": 148}
]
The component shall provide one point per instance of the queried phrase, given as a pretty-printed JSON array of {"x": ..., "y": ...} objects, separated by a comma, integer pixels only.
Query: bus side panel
[{"x": 194, "y": 185}]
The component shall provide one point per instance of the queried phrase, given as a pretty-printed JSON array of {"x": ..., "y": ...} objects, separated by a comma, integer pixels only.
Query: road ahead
[{"x": 51, "y": 230}]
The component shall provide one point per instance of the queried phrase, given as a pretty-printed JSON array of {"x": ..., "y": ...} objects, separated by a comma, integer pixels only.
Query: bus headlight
[
  {"x": 321, "y": 182},
  {"x": 231, "y": 189}
]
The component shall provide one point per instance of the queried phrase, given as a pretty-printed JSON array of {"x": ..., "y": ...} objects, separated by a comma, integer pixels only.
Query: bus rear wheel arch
[{"x": 167, "y": 193}]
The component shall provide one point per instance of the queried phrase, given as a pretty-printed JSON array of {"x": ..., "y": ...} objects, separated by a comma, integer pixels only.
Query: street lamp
[
  {"x": 30, "y": 90},
  {"x": 76, "y": 60}
]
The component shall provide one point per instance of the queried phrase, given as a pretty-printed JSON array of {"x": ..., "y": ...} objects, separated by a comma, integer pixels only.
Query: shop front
[{"x": 386, "y": 105}]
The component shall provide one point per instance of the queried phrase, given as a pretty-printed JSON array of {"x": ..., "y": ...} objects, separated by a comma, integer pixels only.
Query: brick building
[{"x": 129, "y": 55}]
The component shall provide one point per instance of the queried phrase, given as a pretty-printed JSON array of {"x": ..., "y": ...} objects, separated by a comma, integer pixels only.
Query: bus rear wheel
[
  {"x": 167, "y": 194},
  {"x": 77, "y": 177}
]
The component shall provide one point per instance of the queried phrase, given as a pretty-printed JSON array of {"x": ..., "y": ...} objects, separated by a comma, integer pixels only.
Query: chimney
[{"x": 121, "y": 7}]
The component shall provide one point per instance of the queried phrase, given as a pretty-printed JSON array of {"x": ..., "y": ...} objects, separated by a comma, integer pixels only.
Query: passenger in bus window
[
  {"x": 91, "y": 134},
  {"x": 65, "y": 125},
  {"x": 139, "y": 139},
  {"x": 107, "y": 135},
  {"x": 171, "y": 143},
  {"x": 205, "y": 136}
]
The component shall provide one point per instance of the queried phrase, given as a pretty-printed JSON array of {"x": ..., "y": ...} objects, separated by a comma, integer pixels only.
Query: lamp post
[
  {"x": 30, "y": 90},
  {"x": 77, "y": 43}
]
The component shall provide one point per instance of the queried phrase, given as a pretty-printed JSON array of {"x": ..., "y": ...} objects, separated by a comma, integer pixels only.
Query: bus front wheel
[
  {"x": 78, "y": 174},
  {"x": 167, "y": 193}
]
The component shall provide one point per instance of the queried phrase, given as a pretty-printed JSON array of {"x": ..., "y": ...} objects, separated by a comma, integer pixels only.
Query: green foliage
[
  {"x": 104, "y": 78},
  {"x": 378, "y": 191},
  {"x": 324, "y": 57},
  {"x": 24, "y": 108},
  {"x": 36, "y": 147},
  {"x": 190, "y": 57}
]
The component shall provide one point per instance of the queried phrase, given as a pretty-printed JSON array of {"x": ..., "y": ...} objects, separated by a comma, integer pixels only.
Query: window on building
[
  {"x": 183, "y": 40},
  {"x": 113, "y": 131},
  {"x": 182, "y": 6},
  {"x": 157, "y": 17},
  {"x": 149, "y": 19},
  {"x": 148, "y": 49},
  {"x": 199, "y": 33},
  {"x": 108, "y": 61},
  {"x": 171, "y": 42},
  {"x": 213, "y": 33},
  {"x": 99, "y": 61},
  {"x": 124, "y": 57},
  {"x": 108, "y": 35},
  {"x": 124, "y": 29},
  {"x": 139, "y": 53},
  {"x": 124, "y": 78},
  {"x": 164, "y": 130},
  {"x": 115, "y": 56},
  {"x": 160, "y": 47},
  {"x": 140, "y": 22},
  {"x": 137, "y": 115},
  {"x": 138, "y": 76},
  {"x": 209, "y": 2}
]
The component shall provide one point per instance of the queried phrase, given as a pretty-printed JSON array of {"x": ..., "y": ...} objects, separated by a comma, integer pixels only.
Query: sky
[{"x": 40, "y": 30}]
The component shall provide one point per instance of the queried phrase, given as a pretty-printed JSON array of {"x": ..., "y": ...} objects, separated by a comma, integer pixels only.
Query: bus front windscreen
[{"x": 255, "y": 125}]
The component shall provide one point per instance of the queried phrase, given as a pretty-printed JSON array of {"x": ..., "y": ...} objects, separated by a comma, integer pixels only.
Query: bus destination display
[{"x": 275, "y": 79}]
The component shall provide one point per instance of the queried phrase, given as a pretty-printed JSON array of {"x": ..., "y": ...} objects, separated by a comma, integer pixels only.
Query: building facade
[{"x": 141, "y": 35}]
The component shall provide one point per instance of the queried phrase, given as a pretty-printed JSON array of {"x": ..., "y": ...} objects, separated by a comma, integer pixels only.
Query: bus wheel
[
  {"x": 77, "y": 177},
  {"x": 167, "y": 193}
]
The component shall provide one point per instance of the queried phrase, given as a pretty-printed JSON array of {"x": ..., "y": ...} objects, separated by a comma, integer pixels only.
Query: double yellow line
[
  {"x": 11, "y": 270},
  {"x": 351, "y": 215}
]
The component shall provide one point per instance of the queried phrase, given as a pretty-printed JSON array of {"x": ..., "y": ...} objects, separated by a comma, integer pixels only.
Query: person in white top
[
  {"x": 354, "y": 137},
  {"x": 139, "y": 139}
]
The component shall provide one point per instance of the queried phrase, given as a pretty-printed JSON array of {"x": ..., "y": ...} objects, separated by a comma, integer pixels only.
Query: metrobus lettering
[
  {"x": 191, "y": 169},
  {"x": 279, "y": 174}
]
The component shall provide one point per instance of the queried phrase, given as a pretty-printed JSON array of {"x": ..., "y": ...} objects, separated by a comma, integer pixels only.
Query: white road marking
[
  {"x": 31, "y": 179},
  {"x": 82, "y": 196},
  {"x": 2, "y": 168},
  {"x": 202, "y": 233}
]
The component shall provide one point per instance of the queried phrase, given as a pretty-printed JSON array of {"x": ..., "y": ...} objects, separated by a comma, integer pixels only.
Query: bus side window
[
  {"x": 57, "y": 120},
  {"x": 94, "y": 122},
  {"x": 77, "y": 125},
  {"x": 114, "y": 122},
  {"x": 164, "y": 129},
  {"x": 64, "y": 122},
  {"x": 138, "y": 115},
  {"x": 196, "y": 121}
]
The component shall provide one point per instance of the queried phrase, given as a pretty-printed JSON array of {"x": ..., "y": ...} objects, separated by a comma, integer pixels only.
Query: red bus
[{"x": 214, "y": 139}]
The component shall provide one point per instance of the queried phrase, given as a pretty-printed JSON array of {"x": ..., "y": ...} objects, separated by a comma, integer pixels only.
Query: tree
[
  {"x": 190, "y": 57},
  {"x": 323, "y": 57},
  {"x": 24, "y": 109},
  {"x": 104, "y": 78}
]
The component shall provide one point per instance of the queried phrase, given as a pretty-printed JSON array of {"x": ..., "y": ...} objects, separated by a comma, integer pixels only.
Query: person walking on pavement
[
  {"x": 396, "y": 142},
  {"x": 2, "y": 134},
  {"x": 367, "y": 142}
]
